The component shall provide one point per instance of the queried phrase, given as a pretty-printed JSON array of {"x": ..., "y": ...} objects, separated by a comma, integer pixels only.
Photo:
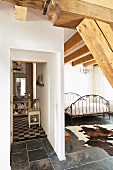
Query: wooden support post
[{"x": 98, "y": 37}]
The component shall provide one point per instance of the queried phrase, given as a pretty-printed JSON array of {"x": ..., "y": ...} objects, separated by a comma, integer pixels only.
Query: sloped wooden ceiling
[
  {"x": 94, "y": 22},
  {"x": 76, "y": 51}
]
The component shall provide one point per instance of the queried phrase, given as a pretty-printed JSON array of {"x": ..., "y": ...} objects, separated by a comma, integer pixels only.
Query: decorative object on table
[
  {"x": 17, "y": 66},
  {"x": 36, "y": 104},
  {"x": 39, "y": 81}
]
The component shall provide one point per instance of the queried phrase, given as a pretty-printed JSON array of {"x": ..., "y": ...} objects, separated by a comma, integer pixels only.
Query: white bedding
[{"x": 84, "y": 108}]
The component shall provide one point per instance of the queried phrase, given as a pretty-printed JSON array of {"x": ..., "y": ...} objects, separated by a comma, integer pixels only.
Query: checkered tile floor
[{"x": 23, "y": 132}]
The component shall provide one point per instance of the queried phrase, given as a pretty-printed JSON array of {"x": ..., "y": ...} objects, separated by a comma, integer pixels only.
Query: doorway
[
  {"x": 26, "y": 117},
  {"x": 51, "y": 95}
]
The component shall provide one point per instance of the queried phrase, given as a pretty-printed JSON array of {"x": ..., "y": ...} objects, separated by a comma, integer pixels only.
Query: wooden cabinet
[{"x": 21, "y": 107}]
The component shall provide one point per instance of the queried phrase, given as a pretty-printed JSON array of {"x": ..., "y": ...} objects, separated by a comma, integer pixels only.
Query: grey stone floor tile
[
  {"x": 44, "y": 164},
  {"x": 106, "y": 164},
  {"x": 37, "y": 155},
  {"x": 20, "y": 167},
  {"x": 34, "y": 144},
  {"x": 46, "y": 143},
  {"x": 18, "y": 147},
  {"x": 55, "y": 162},
  {"x": 97, "y": 153},
  {"x": 78, "y": 146},
  {"x": 92, "y": 166},
  {"x": 76, "y": 159},
  {"x": 19, "y": 158}
]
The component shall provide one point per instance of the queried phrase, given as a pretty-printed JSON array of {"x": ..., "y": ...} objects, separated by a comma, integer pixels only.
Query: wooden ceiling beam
[
  {"x": 68, "y": 21},
  {"x": 20, "y": 13},
  {"x": 103, "y": 3},
  {"x": 89, "y": 63},
  {"x": 77, "y": 54},
  {"x": 74, "y": 42},
  {"x": 37, "y": 4},
  {"x": 68, "y": 14},
  {"x": 82, "y": 60},
  {"x": 98, "y": 37}
]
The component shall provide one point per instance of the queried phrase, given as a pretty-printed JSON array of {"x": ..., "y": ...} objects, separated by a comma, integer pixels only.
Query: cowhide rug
[{"x": 95, "y": 135}]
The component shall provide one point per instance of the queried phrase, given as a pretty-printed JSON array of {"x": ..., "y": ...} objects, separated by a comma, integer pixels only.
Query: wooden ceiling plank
[
  {"x": 20, "y": 13},
  {"x": 98, "y": 45},
  {"x": 74, "y": 42},
  {"x": 77, "y": 54},
  {"x": 78, "y": 9},
  {"x": 82, "y": 60},
  {"x": 89, "y": 63}
]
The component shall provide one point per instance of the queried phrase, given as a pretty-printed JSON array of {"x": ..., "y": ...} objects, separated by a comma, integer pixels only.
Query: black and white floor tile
[{"x": 23, "y": 132}]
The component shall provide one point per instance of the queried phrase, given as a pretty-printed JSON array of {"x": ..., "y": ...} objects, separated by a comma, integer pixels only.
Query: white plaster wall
[
  {"x": 43, "y": 93},
  {"x": 37, "y": 35},
  {"x": 102, "y": 86},
  {"x": 76, "y": 82}
]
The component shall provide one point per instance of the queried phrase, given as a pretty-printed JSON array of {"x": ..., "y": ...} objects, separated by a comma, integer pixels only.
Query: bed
[
  {"x": 87, "y": 105},
  {"x": 69, "y": 98}
]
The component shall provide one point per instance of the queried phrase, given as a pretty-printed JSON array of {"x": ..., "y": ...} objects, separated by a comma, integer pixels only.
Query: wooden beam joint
[{"x": 47, "y": 2}]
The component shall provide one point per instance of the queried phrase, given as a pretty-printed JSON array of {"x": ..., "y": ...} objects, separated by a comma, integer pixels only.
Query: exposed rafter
[
  {"x": 20, "y": 13},
  {"x": 65, "y": 13},
  {"x": 37, "y": 4},
  {"x": 98, "y": 37},
  {"x": 103, "y": 3},
  {"x": 89, "y": 63},
  {"x": 77, "y": 54},
  {"x": 82, "y": 60},
  {"x": 74, "y": 42}
]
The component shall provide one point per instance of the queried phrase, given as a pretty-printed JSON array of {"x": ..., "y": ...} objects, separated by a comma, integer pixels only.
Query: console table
[
  {"x": 21, "y": 107},
  {"x": 33, "y": 117}
]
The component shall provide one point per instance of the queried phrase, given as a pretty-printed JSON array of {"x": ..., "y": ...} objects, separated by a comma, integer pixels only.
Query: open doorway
[
  {"x": 26, "y": 101},
  {"x": 49, "y": 94}
]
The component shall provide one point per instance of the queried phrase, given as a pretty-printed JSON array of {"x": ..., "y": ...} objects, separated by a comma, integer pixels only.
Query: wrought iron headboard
[
  {"x": 71, "y": 96},
  {"x": 89, "y": 101}
]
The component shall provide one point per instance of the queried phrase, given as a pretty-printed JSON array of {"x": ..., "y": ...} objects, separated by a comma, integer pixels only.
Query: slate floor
[{"x": 38, "y": 154}]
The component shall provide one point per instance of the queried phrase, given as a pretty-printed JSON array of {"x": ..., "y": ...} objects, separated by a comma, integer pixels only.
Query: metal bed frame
[
  {"x": 90, "y": 102},
  {"x": 71, "y": 96}
]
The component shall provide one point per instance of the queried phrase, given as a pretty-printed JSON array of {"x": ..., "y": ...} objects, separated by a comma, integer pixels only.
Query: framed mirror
[{"x": 20, "y": 86}]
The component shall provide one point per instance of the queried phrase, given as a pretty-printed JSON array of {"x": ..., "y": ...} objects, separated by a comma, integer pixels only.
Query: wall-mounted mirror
[{"x": 20, "y": 86}]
